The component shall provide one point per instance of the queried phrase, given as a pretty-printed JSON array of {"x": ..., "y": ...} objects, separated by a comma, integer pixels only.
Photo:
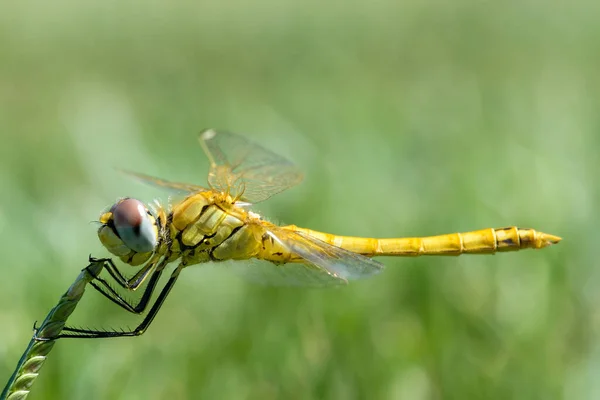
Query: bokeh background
[{"x": 409, "y": 118}]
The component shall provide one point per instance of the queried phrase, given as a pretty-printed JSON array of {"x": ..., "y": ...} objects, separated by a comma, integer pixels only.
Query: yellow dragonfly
[{"x": 213, "y": 224}]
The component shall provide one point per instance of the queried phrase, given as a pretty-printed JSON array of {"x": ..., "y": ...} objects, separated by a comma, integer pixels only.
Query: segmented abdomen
[{"x": 484, "y": 241}]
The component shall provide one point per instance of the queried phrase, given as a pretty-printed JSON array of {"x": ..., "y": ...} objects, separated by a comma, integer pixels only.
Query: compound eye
[{"x": 135, "y": 226}]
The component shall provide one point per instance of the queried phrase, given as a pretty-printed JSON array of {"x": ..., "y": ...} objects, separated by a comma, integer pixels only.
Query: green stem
[{"x": 44, "y": 337}]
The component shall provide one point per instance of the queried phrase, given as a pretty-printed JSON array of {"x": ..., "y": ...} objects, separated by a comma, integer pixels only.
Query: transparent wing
[
  {"x": 319, "y": 263},
  {"x": 177, "y": 187},
  {"x": 240, "y": 166},
  {"x": 293, "y": 274}
]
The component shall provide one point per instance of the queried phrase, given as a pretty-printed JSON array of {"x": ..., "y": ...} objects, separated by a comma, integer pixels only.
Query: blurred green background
[{"x": 409, "y": 118}]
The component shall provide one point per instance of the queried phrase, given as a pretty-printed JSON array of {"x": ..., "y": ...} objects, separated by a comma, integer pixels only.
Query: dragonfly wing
[
  {"x": 293, "y": 274},
  {"x": 176, "y": 187},
  {"x": 239, "y": 165},
  {"x": 323, "y": 264},
  {"x": 336, "y": 261}
]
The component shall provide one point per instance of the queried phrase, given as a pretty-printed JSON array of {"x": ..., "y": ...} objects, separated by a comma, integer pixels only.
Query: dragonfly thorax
[{"x": 129, "y": 231}]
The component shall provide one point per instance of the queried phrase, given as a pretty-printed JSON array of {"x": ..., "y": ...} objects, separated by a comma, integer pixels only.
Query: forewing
[
  {"x": 239, "y": 165},
  {"x": 176, "y": 187}
]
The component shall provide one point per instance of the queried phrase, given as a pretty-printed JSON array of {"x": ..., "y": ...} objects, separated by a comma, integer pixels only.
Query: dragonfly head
[{"x": 129, "y": 230}]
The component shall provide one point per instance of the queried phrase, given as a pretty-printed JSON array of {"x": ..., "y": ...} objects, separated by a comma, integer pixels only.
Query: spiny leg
[
  {"x": 73, "y": 295},
  {"x": 150, "y": 268},
  {"x": 135, "y": 281},
  {"x": 141, "y": 328},
  {"x": 111, "y": 294},
  {"x": 107, "y": 291}
]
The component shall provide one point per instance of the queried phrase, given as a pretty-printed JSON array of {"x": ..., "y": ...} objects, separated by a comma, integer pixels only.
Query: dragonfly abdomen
[{"x": 484, "y": 241}]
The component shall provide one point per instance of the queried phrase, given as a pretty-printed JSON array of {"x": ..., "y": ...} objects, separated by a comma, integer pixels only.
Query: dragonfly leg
[
  {"x": 135, "y": 281},
  {"x": 107, "y": 291},
  {"x": 141, "y": 328}
]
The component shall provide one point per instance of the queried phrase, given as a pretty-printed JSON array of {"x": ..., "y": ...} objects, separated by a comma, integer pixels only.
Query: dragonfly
[{"x": 215, "y": 224}]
